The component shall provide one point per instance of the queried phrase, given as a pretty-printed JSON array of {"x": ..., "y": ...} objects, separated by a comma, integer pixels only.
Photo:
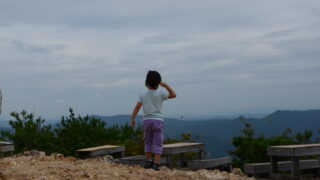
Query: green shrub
[
  {"x": 250, "y": 149},
  {"x": 29, "y": 133}
]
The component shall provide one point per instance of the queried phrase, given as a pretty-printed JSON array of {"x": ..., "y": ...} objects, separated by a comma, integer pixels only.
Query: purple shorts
[{"x": 153, "y": 136}]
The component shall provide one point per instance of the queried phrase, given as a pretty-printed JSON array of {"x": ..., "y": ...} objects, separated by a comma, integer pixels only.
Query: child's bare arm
[
  {"x": 134, "y": 114},
  {"x": 172, "y": 93}
]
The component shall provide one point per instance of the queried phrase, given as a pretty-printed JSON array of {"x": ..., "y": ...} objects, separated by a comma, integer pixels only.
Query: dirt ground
[{"x": 37, "y": 166}]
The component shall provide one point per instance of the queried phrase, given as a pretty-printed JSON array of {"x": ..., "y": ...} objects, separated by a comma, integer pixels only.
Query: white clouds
[
  {"x": 80, "y": 52},
  {"x": 165, "y": 14}
]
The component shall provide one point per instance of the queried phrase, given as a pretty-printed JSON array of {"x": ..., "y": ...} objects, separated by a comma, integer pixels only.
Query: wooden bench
[
  {"x": 181, "y": 148},
  {"x": 137, "y": 160},
  {"x": 255, "y": 169},
  {"x": 294, "y": 152},
  {"x": 100, "y": 151},
  {"x": 6, "y": 146},
  {"x": 210, "y": 163}
]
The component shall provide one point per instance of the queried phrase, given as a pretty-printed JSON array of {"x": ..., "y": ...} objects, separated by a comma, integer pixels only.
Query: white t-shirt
[{"x": 152, "y": 104}]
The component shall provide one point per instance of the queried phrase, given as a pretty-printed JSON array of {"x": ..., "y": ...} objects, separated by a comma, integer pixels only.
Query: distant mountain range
[{"x": 217, "y": 134}]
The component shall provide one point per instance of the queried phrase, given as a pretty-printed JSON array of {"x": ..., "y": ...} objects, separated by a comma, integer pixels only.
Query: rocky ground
[{"x": 37, "y": 166}]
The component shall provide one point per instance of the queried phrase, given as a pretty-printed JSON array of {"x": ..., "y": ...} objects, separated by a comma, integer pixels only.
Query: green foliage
[
  {"x": 72, "y": 133},
  {"x": 29, "y": 133},
  {"x": 250, "y": 149},
  {"x": 132, "y": 140},
  {"x": 305, "y": 137},
  {"x": 125, "y": 135},
  {"x": 75, "y": 133},
  {"x": 185, "y": 137},
  {"x": 79, "y": 132},
  {"x": 247, "y": 131}
]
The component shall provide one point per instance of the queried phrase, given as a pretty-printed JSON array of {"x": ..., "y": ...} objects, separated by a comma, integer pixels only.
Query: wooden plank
[
  {"x": 182, "y": 148},
  {"x": 98, "y": 148},
  {"x": 306, "y": 151},
  {"x": 230, "y": 167},
  {"x": 260, "y": 168},
  {"x": 201, "y": 154},
  {"x": 133, "y": 160},
  {"x": 297, "y": 146},
  {"x": 137, "y": 160},
  {"x": 133, "y": 157},
  {"x": 169, "y": 160},
  {"x": 107, "y": 151},
  {"x": 6, "y": 148},
  {"x": 5, "y": 143},
  {"x": 209, "y": 163},
  {"x": 182, "y": 159},
  {"x": 99, "y": 151},
  {"x": 294, "y": 150},
  {"x": 276, "y": 151},
  {"x": 176, "y": 148},
  {"x": 122, "y": 153},
  {"x": 183, "y": 144},
  {"x": 274, "y": 164},
  {"x": 294, "y": 166}
]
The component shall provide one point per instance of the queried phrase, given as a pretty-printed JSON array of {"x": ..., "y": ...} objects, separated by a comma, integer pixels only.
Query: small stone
[
  {"x": 116, "y": 173},
  {"x": 108, "y": 158},
  {"x": 50, "y": 158},
  {"x": 42, "y": 154},
  {"x": 237, "y": 171},
  {"x": 57, "y": 156},
  {"x": 2, "y": 176},
  {"x": 27, "y": 153},
  {"x": 71, "y": 159},
  {"x": 34, "y": 153},
  {"x": 12, "y": 163}
]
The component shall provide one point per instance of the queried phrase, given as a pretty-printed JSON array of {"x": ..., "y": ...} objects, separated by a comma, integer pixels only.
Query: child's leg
[
  {"x": 148, "y": 156},
  {"x": 157, "y": 158},
  {"x": 157, "y": 139},
  {"x": 148, "y": 138}
]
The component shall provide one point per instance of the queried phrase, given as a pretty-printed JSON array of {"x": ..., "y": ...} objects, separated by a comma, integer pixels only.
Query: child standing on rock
[{"x": 152, "y": 123}]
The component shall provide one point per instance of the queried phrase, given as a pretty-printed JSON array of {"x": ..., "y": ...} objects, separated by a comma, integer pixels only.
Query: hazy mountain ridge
[{"x": 217, "y": 134}]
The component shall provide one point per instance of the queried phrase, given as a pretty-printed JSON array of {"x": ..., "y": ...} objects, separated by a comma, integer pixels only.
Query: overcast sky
[{"x": 221, "y": 57}]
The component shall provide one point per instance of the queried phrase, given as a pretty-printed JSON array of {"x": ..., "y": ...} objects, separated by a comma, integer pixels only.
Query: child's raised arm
[{"x": 172, "y": 94}]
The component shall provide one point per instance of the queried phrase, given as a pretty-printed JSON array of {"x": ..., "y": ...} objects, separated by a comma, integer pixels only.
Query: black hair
[{"x": 153, "y": 79}]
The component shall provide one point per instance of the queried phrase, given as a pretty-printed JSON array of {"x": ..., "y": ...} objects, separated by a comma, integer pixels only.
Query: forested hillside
[{"x": 217, "y": 134}]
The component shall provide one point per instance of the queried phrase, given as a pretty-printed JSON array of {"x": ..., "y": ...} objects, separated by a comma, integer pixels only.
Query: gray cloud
[
  {"x": 221, "y": 57},
  {"x": 24, "y": 47}
]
